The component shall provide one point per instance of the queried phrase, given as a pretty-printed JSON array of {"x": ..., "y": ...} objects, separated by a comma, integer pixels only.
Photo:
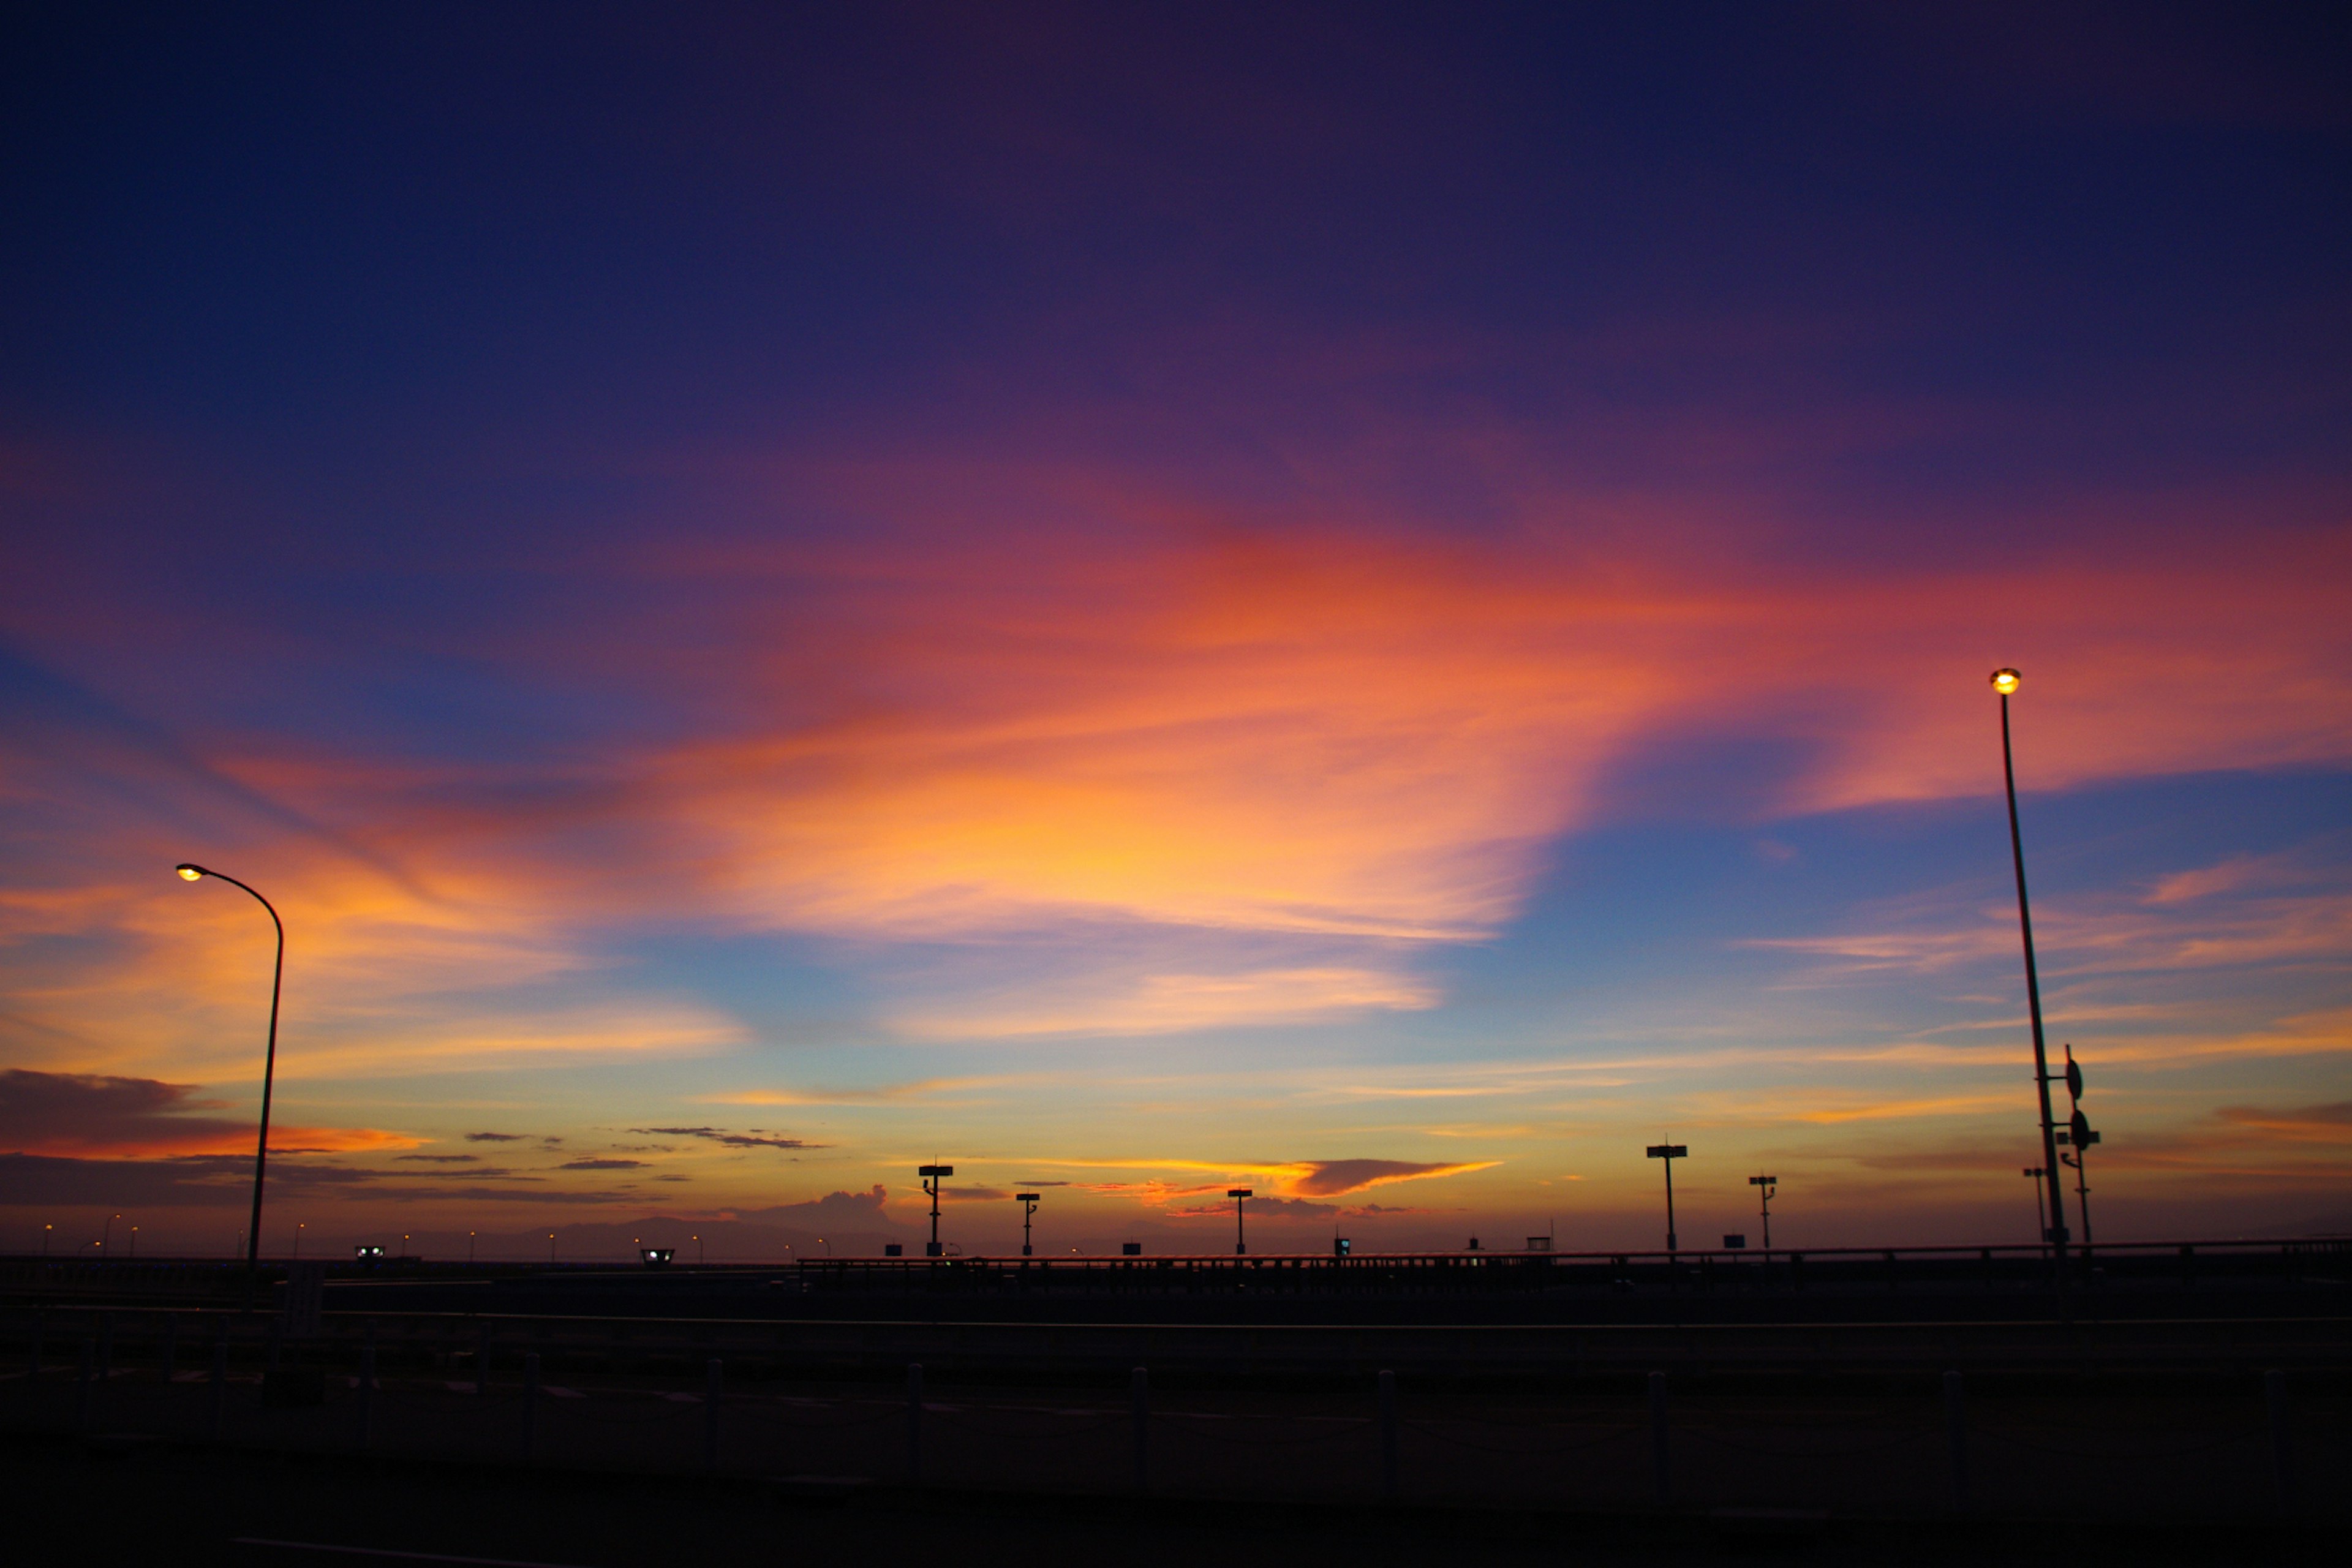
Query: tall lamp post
[
  {"x": 1670, "y": 1153},
  {"x": 931, "y": 1174},
  {"x": 268, "y": 1072},
  {"x": 2006, "y": 682},
  {"x": 2034, "y": 1174},
  {"x": 1766, "y": 1186},
  {"x": 1240, "y": 1196},
  {"x": 1028, "y": 1201}
]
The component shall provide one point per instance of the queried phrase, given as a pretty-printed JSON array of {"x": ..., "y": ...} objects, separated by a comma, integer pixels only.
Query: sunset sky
[{"x": 1385, "y": 603}]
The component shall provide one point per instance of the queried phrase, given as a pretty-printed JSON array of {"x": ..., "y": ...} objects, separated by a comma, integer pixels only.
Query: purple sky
[{"x": 1381, "y": 603}]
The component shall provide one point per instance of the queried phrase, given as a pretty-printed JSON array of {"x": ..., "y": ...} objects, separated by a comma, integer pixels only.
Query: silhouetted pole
[
  {"x": 1670, "y": 1153},
  {"x": 1028, "y": 1201},
  {"x": 2006, "y": 681},
  {"x": 2040, "y": 1203},
  {"x": 2079, "y": 1136},
  {"x": 1240, "y": 1196},
  {"x": 931, "y": 1175},
  {"x": 1767, "y": 1186},
  {"x": 268, "y": 1071}
]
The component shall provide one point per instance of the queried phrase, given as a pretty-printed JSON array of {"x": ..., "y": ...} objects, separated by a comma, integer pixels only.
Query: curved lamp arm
[{"x": 193, "y": 872}]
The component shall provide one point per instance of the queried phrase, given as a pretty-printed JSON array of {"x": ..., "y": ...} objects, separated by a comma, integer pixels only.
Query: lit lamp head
[
  {"x": 189, "y": 872},
  {"x": 2006, "y": 681}
]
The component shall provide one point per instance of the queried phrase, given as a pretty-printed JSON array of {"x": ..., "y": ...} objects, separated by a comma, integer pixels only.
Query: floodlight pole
[
  {"x": 268, "y": 1072},
  {"x": 931, "y": 1175},
  {"x": 1670, "y": 1153},
  {"x": 1766, "y": 1186},
  {"x": 1240, "y": 1196},
  {"x": 1028, "y": 1201},
  {"x": 2041, "y": 1205},
  {"x": 2004, "y": 682}
]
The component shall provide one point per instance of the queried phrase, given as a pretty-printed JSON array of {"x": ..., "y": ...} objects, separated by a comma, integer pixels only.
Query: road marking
[{"x": 387, "y": 1551}]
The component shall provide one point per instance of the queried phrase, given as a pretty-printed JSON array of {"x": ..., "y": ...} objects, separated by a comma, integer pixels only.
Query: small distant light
[
  {"x": 190, "y": 872},
  {"x": 2006, "y": 681}
]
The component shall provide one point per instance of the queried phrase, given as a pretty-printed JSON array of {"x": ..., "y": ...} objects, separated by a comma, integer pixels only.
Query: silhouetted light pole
[
  {"x": 2034, "y": 1174},
  {"x": 1240, "y": 1196},
  {"x": 2079, "y": 1137},
  {"x": 931, "y": 1174},
  {"x": 1028, "y": 1201},
  {"x": 1766, "y": 1186},
  {"x": 2006, "y": 682},
  {"x": 268, "y": 1072},
  {"x": 1670, "y": 1153}
]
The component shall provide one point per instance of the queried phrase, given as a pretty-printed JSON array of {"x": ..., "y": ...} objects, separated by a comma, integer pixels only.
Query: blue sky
[{"x": 1386, "y": 604}]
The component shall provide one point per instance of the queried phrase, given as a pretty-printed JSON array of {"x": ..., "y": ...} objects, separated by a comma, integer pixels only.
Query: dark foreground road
[{"x": 156, "y": 1503}]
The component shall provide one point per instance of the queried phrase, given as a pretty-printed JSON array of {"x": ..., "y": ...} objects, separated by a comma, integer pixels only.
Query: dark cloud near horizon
[
  {"x": 837, "y": 1210},
  {"x": 93, "y": 1110},
  {"x": 752, "y": 1140},
  {"x": 441, "y": 1159},
  {"x": 495, "y": 1137},
  {"x": 225, "y": 1181},
  {"x": 599, "y": 1164}
]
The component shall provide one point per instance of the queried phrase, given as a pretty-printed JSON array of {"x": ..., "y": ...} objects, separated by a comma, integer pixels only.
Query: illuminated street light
[
  {"x": 193, "y": 872},
  {"x": 1028, "y": 1201},
  {"x": 1240, "y": 1195},
  {"x": 2006, "y": 682},
  {"x": 1767, "y": 1186},
  {"x": 1670, "y": 1153},
  {"x": 931, "y": 1175}
]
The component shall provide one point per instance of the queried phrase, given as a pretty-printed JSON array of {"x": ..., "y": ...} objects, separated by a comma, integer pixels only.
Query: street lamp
[
  {"x": 2034, "y": 1174},
  {"x": 2006, "y": 682},
  {"x": 1028, "y": 1201},
  {"x": 268, "y": 1071},
  {"x": 134, "y": 1238},
  {"x": 1240, "y": 1195},
  {"x": 106, "y": 1234},
  {"x": 1766, "y": 1186},
  {"x": 298, "y": 1238},
  {"x": 930, "y": 1175},
  {"x": 1670, "y": 1153}
]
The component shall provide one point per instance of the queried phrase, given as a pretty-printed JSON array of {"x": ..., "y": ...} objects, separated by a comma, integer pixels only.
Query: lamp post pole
[
  {"x": 2041, "y": 1205},
  {"x": 268, "y": 1074},
  {"x": 931, "y": 1175},
  {"x": 2006, "y": 681},
  {"x": 1670, "y": 1153},
  {"x": 1028, "y": 1201},
  {"x": 1766, "y": 1186},
  {"x": 1240, "y": 1196}
]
